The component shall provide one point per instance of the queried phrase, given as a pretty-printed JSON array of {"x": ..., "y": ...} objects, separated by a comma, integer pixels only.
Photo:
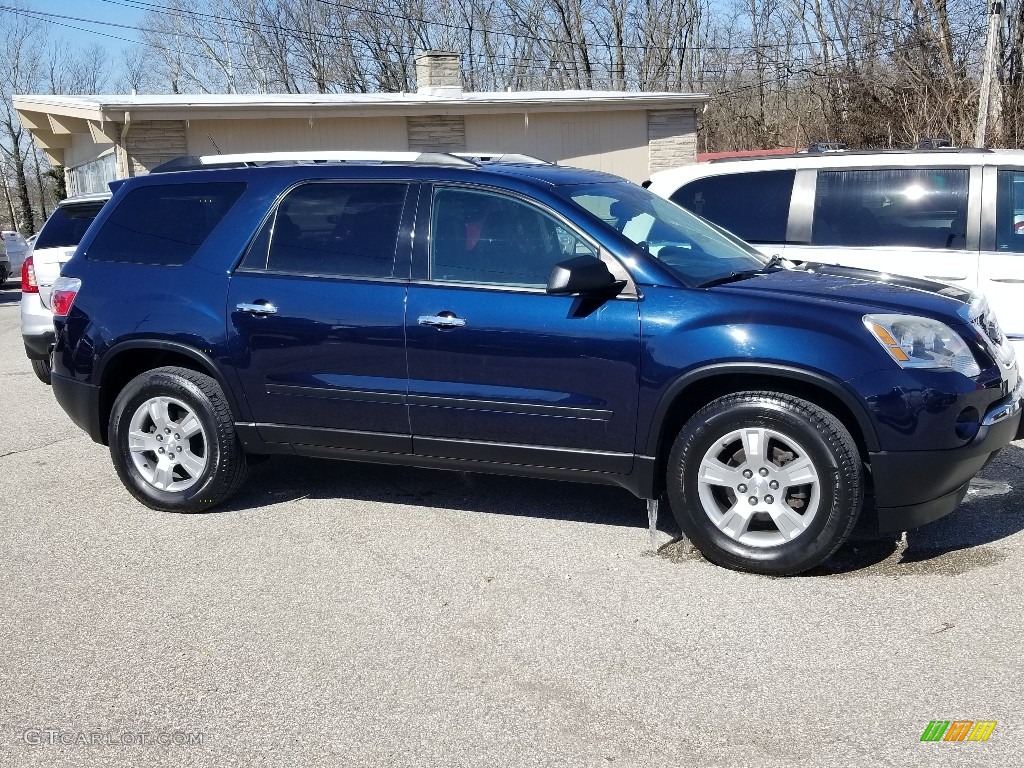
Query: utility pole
[{"x": 985, "y": 107}]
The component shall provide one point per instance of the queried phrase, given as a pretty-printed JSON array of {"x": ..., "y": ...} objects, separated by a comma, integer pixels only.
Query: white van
[{"x": 954, "y": 215}]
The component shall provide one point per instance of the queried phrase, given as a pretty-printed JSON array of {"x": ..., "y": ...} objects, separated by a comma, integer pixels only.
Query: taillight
[
  {"x": 64, "y": 291},
  {"x": 28, "y": 277}
]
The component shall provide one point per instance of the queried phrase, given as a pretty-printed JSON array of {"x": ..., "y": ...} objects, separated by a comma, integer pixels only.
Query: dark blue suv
[{"x": 523, "y": 319}]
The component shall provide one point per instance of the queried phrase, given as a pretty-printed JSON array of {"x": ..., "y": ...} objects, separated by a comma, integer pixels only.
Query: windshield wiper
[
  {"x": 732, "y": 277},
  {"x": 775, "y": 261}
]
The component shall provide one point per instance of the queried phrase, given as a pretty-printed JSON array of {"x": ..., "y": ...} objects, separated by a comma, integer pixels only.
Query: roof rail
[
  {"x": 252, "y": 159},
  {"x": 849, "y": 152},
  {"x": 502, "y": 157}
]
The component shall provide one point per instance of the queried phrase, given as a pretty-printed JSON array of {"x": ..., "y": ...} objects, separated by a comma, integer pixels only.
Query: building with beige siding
[{"x": 101, "y": 138}]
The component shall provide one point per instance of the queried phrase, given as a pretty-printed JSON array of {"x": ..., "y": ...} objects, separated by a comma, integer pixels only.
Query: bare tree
[{"x": 22, "y": 38}]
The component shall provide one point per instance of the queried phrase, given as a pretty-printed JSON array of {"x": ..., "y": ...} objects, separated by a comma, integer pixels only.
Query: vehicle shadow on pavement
[
  {"x": 959, "y": 542},
  {"x": 10, "y": 294},
  {"x": 284, "y": 478}
]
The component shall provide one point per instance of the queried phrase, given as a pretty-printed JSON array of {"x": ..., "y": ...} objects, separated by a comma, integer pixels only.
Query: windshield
[{"x": 696, "y": 250}]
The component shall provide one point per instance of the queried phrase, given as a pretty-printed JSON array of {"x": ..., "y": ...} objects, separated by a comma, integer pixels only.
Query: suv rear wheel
[
  {"x": 173, "y": 441},
  {"x": 765, "y": 482}
]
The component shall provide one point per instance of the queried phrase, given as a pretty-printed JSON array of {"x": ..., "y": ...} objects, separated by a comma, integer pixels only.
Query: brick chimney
[{"x": 438, "y": 73}]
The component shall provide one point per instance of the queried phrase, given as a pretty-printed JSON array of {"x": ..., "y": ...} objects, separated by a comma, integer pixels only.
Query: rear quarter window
[
  {"x": 163, "y": 224},
  {"x": 753, "y": 206}
]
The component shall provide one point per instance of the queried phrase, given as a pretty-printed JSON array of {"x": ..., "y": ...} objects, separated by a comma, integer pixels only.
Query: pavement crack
[{"x": 37, "y": 447}]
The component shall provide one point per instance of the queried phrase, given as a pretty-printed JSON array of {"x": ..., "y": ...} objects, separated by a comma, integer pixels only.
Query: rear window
[
  {"x": 753, "y": 206},
  {"x": 163, "y": 224},
  {"x": 67, "y": 225}
]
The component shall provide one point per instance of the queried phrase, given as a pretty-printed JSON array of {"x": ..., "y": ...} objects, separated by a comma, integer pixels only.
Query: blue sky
[{"x": 81, "y": 33}]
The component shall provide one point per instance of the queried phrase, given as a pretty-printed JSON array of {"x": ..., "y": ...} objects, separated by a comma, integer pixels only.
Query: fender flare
[
  {"x": 833, "y": 387},
  {"x": 205, "y": 362}
]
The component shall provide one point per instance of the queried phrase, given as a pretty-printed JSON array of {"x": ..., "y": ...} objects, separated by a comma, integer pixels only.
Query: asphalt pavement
[{"x": 338, "y": 614}]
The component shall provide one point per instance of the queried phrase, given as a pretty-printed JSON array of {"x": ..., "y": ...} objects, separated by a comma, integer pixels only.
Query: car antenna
[{"x": 214, "y": 144}]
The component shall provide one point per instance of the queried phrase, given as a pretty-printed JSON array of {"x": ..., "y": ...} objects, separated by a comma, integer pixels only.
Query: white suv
[
  {"x": 956, "y": 216},
  {"x": 54, "y": 245}
]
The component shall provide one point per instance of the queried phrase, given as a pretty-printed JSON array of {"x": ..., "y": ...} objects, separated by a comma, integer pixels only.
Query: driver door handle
[
  {"x": 259, "y": 308},
  {"x": 441, "y": 321}
]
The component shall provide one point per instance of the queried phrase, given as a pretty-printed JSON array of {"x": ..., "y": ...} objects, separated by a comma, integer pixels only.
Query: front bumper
[{"x": 916, "y": 487}]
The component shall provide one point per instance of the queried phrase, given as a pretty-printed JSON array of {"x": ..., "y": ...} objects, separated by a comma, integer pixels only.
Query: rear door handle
[
  {"x": 257, "y": 308},
  {"x": 1006, "y": 280},
  {"x": 443, "y": 320}
]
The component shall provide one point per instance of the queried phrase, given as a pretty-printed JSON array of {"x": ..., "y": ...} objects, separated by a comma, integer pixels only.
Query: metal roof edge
[{"x": 96, "y": 105}]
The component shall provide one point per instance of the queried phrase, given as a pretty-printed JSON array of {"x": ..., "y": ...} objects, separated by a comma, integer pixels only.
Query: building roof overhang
[
  {"x": 53, "y": 120},
  {"x": 34, "y": 109}
]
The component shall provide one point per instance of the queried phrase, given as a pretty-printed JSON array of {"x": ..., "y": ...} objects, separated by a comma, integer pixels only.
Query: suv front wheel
[
  {"x": 765, "y": 482},
  {"x": 173, "y": 441}
]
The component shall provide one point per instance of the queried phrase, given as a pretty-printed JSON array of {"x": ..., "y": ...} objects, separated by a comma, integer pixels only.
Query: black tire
[
  {"x": 771, "y": 535},
  {"x": 41, "y": 368},
  {"x": 209, "y": 464}
]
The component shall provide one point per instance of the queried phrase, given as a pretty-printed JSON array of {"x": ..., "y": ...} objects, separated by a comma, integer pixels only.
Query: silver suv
[
  {"x": 55, "y": 244},
  {"x": 956, "y": 216}
]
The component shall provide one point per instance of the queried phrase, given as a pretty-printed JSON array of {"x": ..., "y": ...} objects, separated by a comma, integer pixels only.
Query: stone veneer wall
[
  {"x": 150, "y": 143},
  {"x": 672, "y": 138},
  {"x": 437, "y": 133}
]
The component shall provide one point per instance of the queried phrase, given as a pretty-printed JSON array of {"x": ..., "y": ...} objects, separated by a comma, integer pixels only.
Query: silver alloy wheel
[
  {"x": 759, "y": 487},
  {"x": 168, "y": 444}
]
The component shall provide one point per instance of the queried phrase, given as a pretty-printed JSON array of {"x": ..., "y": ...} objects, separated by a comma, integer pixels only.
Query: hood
[{"x": 862, "y": 290}]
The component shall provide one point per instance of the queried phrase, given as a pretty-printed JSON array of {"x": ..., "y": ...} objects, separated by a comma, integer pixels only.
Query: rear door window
[
  {"x": 335, "y": 229},
  {"x": 754, "y": 206},
  {"x": 163, "y": 223},
  {"x": 912, "y": 207},
  {"x": 67, "y": 225},
  {"x": 1010, "y": 211}
]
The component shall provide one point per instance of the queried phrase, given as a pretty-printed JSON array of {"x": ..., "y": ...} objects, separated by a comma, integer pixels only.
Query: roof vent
[{"x": 438, "y": 73}]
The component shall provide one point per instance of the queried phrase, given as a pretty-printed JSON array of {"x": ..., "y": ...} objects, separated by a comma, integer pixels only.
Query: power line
[{"x": 516, "y": 63}]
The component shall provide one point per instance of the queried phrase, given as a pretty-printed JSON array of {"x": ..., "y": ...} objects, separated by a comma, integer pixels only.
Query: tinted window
[
  {"x": 912, "y": 207},
  {"x": 1010, "y": 212},
  {"x": 335, "y": 229},
  {"x": 67, "y": 225},
  {"x": 753, "y": 206},
  {"x": 477, "y": 237},
  {"x": 163, "y": 224}
]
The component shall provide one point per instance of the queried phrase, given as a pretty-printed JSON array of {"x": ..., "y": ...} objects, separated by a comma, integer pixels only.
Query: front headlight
[{"x": 920, "y": 342}]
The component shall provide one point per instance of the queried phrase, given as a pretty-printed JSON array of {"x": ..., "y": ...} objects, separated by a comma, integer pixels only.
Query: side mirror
[{"x": 583, "y": 274}]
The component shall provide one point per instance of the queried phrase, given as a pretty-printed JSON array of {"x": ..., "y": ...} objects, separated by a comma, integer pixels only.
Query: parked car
[
  {"x": 15, "y": 248},
  {"x": 524, "y": 319},
  {"x": 955, "y": 216},
  {"x": 54, "y": 244}
]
